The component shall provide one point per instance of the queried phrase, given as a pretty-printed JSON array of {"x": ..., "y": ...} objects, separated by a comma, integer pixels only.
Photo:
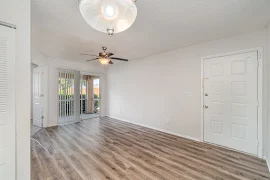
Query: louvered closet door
[{"x": 7, "y": 103}]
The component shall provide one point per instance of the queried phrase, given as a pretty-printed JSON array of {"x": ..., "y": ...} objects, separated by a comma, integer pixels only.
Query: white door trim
[{"x": 260, "y": 93}]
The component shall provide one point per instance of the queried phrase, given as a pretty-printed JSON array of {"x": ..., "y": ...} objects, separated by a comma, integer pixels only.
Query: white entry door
[
  {"x": 7, "y": 103},
  {"x": 231, "y": 101},
  {"x": 37, "y": 97}
]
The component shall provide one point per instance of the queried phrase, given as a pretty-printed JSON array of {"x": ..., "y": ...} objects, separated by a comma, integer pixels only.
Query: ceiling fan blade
[
  {"x": 92, "y": 59},
  {"x": 120, "y": 59},
  {"x": 110, "y": 54},
  {"x": 85, "y": 54},
  {"x": 111, "y": 62}
]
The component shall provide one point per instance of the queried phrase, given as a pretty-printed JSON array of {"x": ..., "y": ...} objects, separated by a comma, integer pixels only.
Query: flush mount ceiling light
[{"x": 109, "y": 16}]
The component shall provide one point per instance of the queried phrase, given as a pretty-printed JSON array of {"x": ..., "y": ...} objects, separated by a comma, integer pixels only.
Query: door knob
[
  {"x": 205, "y": 106},
  {"x": 206, "y": 94}
]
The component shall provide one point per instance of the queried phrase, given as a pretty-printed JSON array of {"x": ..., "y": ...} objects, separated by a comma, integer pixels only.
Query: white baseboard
[
  {"x": 268, "y": 163},
  {"x": 157, "y": 129}
]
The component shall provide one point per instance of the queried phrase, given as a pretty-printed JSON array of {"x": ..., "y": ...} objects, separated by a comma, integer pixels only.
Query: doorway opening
[{"x": 89, "y": 97}]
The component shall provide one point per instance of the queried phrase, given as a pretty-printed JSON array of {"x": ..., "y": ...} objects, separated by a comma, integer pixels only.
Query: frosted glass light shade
[
  {"x": 104, "y": 61},
  {"x": 102, "y": 15}
]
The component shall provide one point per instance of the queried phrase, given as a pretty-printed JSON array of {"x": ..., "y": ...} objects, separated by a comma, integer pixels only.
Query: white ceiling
[{"x": 59, "y": 31}]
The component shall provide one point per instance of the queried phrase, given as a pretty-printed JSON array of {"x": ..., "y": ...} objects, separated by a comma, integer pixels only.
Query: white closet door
[
  {"x": 7, "y": 103},
  {"x": 37, "y": 97},
  {"x": 230, "y": 99}
]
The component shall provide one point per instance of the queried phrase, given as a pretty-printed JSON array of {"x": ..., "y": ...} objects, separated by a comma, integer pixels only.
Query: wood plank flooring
[{"x": 110, "y": 149}]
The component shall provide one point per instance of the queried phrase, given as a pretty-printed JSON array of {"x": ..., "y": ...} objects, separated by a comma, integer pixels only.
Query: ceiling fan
[{"x": 104, "y": 57}]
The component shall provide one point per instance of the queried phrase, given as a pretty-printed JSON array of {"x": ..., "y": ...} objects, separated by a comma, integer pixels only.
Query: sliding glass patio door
[
  {"x": 78, "y": 96},
  {"x": 89, "y": 96},
  {"x": 96, "y": 96}
]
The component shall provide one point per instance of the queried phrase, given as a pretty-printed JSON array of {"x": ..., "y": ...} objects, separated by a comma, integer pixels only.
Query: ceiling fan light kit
[
  {"x": 104, "y": 61},
  {"x": 104, "y": 57},
  {"x": 109, "y": 16}
]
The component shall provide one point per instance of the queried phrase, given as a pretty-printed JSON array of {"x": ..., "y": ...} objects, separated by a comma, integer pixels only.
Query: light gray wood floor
[
  {"x": 34, "y": 129},
  {"x": 110, "y": 149}
]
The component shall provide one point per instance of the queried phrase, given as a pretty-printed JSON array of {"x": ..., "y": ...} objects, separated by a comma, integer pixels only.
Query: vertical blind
[
  {"x": 3, "y": 75},
  {"x": 83, "y": 96},
  {"x": 66, "y": 96}
]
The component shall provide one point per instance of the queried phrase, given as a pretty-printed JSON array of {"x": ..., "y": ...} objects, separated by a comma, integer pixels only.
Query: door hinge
[
  {"x": 258, "y": 63},
  {"x": 258, "y": 103}
]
